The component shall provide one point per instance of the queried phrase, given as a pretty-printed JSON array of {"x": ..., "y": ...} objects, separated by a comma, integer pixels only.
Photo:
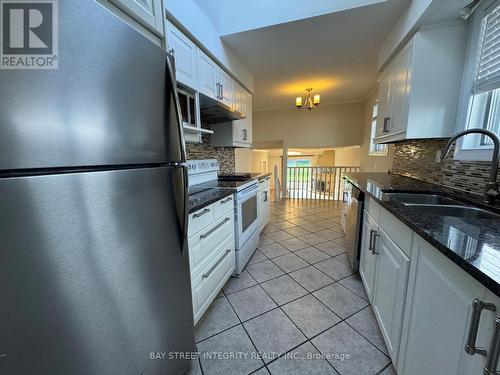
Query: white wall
[
  {"x": 348, "y": 157},
  {"x": 335, "y": 125},
  {"x": 193, "y": 19},
  {"x": 247, "y": 160}
]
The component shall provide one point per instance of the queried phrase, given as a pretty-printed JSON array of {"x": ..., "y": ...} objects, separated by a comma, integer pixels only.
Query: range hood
[{"x": 215, "y": 112}]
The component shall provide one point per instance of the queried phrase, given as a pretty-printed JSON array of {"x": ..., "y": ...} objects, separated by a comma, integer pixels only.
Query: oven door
[{"x": 247, "y": 219}]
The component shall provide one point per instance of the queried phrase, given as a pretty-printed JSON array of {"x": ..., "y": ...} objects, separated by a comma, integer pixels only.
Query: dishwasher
[{"x": 352, "y": 221}]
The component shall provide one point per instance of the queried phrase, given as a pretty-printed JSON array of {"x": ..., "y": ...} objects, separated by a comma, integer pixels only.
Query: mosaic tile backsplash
[
  {"x": 417, "y": 159},
  {"x": 225, "y": 155}
]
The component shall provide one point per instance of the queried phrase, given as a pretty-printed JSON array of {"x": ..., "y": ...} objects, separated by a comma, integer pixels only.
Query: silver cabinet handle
[
  {"x": 477, "y": 308},
  {"x": 206, "y": 275},
  {"x": 265, "y": 196},
  {"x": 245, "y": 134},
  {"x": 373, "y": 241},
  {"x": 226, "y": 200},
  {"x": 493, "y": 351},
  {"x": 206, "y": 210},
  {"x": 370, "y": 241},
  {"x": 387, "y": 122},
  {"x": 221, "y": 91},
  {"x": 215, "y": 228}
]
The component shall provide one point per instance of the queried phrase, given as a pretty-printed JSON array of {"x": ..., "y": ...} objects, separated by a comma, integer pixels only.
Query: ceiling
[
  {"x": 233, "y": 16},
  {"x": 334, "y": 53}
]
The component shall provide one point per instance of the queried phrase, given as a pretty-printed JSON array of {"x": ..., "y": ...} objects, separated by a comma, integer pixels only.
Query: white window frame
[
  {"x": 481, "y": 153},
  {"x": 372, "y": 148}
]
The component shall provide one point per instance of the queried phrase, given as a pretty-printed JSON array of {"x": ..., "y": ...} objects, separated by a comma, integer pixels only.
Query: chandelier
[{"x": 310, "y": 102}]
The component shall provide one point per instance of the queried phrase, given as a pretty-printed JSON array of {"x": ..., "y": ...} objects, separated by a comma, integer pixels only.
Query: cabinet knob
[{"x": 171, "y": 51}]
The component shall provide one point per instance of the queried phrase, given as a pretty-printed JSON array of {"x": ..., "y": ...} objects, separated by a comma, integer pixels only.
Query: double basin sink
[{"x": 434, "y": 204}]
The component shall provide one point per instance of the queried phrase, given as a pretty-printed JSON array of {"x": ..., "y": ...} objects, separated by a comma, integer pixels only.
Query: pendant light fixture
[{"x": 310, "y": 102}]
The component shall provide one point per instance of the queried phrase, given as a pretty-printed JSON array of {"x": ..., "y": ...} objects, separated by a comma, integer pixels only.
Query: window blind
[{"x": 488, "y": 71}]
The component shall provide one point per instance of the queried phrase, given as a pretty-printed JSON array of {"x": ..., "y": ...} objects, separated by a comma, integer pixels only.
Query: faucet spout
[{"x": 492, "y": 191}]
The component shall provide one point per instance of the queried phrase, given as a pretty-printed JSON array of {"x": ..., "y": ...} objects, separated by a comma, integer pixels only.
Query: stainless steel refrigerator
[{"x": 94, "y": 273}]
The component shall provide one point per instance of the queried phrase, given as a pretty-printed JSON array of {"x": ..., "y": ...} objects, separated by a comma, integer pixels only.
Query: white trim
[{"x": 468, "y": 79}]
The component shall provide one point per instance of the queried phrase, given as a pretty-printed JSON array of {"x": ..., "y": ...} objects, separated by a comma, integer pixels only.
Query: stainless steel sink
[
  {"x": 454, "y": 211},
  {"x": 409, "y": 199}
]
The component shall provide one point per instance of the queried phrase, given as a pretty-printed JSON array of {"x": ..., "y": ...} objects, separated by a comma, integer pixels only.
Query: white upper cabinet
[
  {"x": 207, "y": 75},
  {"x": 184, "y": 51},
  {"x": 237, "y": 133},
  {"x": 146, "y": 12},
  {"x": 226, "y": 88},
  {"x": 419, "y": 89}
]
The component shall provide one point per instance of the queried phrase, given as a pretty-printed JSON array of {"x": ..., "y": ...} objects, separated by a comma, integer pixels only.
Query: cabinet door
[
  {"x": 184, "y": 52},
  {"x": 437, "y": 316},
  {"x": 367, "y": 266},
  {"x": 248, "y": 136},
  {"x": 390, "y": 290},
  {"x": 383, "y": 103},
  {"x": 226, "y": 87},
  {"x": 207, "y": 75},
  {"x": 146, "y": 12},
  {"x": 399, "y": 91}
]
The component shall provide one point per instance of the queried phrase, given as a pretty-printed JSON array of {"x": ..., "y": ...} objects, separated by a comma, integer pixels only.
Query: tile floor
[{"x": 297, "y": 308}]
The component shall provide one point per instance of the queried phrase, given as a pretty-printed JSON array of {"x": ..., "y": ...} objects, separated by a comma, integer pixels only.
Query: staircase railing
[{"x": 320, "y": 183}]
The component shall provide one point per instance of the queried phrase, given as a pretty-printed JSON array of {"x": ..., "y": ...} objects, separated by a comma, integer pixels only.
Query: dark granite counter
[
  {"x": 259, "y": 176},
  {"x": 470, "y": 242},
  {"x": 199, "y": 199}
]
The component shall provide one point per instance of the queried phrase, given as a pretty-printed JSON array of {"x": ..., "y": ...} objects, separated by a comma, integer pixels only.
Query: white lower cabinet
[
  {"x": 390, "y": 289},
  {"x": 424, "y": 302},
  {"x": 211, "y": 252},
  {"x": 367, "y": 258},
  {"x": 437, "y": 317},
  {"x": 263, "y": 203}
]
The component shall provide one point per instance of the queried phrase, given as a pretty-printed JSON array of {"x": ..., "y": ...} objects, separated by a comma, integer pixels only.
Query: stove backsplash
[
  {"x": 417, "y": 159},
  {"x": 200, "y": 151}
]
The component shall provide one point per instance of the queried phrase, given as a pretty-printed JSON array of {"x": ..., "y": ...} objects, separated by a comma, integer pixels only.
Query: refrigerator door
[
  {"x": 111, "y": 101},
  {"x": 92, "y": 280}
]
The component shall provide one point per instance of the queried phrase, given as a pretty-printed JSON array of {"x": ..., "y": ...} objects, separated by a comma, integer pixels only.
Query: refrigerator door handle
[
  {"x": 185, "y": 208},
  {"x": 177, "y": 108}
]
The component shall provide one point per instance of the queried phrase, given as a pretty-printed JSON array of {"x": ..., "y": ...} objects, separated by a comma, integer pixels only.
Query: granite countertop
[
  {"x": 472, "y": 243},
  {"x": 202, "y": 198},
  {"x": 259, "y": 176}
]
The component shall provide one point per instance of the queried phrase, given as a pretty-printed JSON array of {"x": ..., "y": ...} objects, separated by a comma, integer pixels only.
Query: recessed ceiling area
[
  {"x": 234, "y": 16},
  {"x": 334, "y": 53}
]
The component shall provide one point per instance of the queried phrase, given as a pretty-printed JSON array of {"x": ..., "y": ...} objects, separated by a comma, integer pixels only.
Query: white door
[
  {"x": 226, "y": 94},
  {"x": 367, "y": 265},
  {"x": 146, "y": 12},
  {"x": 384, "y": 115},
  {"x": 207, "y": 75},
  {"x": 390, "y": 290},
  {"x": 184, "y": 52},
  {"x": 399, "y": 91},
  {"x": 437, "y": 316}
]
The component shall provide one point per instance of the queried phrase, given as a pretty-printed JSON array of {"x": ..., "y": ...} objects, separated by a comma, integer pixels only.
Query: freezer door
[
  {"x": 92, "y": 280},
  {"x": 111, "y": 101}
]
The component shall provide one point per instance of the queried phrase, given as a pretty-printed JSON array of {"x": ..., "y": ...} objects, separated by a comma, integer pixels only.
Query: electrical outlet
[{"x": 438, "y": 156}]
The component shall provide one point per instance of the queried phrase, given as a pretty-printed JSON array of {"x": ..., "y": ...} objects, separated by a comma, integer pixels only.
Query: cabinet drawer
[
  {"x": 200, "y": 219},
  {"x": 396, "y": 230},
  {"x": 215, "y": 274},
  {"x": 223, "y": 206},
  {"x": 203, "y": 244},
  {"x": 373, "y": 208}
]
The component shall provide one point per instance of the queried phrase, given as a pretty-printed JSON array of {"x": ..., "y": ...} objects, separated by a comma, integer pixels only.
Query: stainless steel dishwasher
[{"x": 352, "y": 220}]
